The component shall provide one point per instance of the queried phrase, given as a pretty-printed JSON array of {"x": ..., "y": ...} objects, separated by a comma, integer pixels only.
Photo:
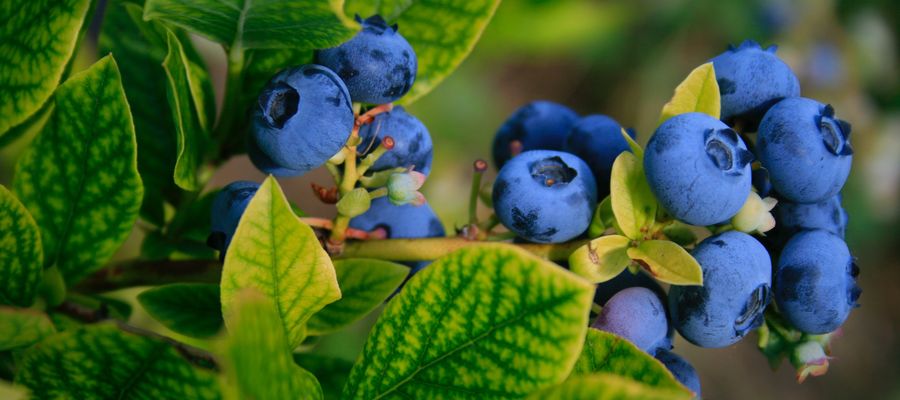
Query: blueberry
[
  {"x": 378, "y": 64},
  {"x": 303, "y": 119},
  {"x": 626, "y": 279},
  {"x": 815, "y": 282},
  {"x": 227, "y": 208},
  {"x": 539, "y": 125},
  {"x": 401, "y": 222},
  {"x": 751, "y": 79},
  {"x": 638, "y": 315},
  {"x": 698, "y": 168},
  {"x": 682, "y": 369},
  {"x": 827, "y": 215},
  {"x": 806, "y": 150},
  {"x": 761, "y": 182},
  {"x": 412, "y": 143},
  {"x": 265, "y": 164},
  {"x": 598, "y": 140},
  {"x": 545, "y": 196},
  {"x": 737, "y": 277}
]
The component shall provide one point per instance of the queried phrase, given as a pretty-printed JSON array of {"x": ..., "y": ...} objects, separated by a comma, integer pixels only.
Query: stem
[
  {"x": 380, "y": 192},
  {"x": 473, "y": 196},
  {"x": 339, "y": 229}
]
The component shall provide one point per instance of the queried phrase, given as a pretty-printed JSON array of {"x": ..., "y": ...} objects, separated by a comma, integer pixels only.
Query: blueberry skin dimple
[
  {"x": 597, "y": 139},
  {"x": 638, "y": 315},
  {"x": 815, "y": 282},
  {"x": 698, "y": 169},
  {"x": 401, "y": 222},
  {"x": 378, "y": 64},
  {"x": 827, "y": 215},
  {"x": 412, "y": 143},
  {"x": 304, "y": 117},
  {"x": 751, "y": 79},
  {"x": 545, "y": 196},
  {"x": 227, "y": 208},
  {"x": 806, "y": 150},
  {"x": 737, "y": 281},
  {"x": 682, "y": 369},
  {"x": 539, "y": 125}
]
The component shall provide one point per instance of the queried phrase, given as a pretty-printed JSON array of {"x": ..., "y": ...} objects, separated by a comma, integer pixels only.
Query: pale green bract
[
  {"x": 667, "y": 262},
  {"x": 22, "y": 327},
  {"x": 486, "y": 321},
  {"x": 699, "y": 92},
  {"x": 278, "y": 255},
  {"x": 21, "y": 256}
]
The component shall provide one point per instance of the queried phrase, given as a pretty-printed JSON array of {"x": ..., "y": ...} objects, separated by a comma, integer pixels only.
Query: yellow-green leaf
[
  {"x": 603, "y": 219},
  {"x": 104, "y": 362},
  {"x": 278, "y": 255},
  {"x": 21, "y": 257},
  {"x": 37, "y": 39},
  {"x": 635, "y": 148},
  {"x": 607, "y": 387},
  {"x": 79, "y": 177},
  {"x": 699, "y": 92},
  {"x": 259, "y": 356},
  {"x": 486, "y": 321},
  {"x": 668, "y": 262},
  {"x": 22, "y": 327},
  {"x": 365, "y": 284},
  {"x": 191, "y": 309},
  {"x": 601, "y": 259},
  {"x": 605, "y": 352},
  {"x": 11, "y": 391},
  {"x": 633, "y": 203}
]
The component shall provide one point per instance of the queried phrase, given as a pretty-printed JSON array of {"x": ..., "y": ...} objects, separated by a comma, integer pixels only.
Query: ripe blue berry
[
  {"x": 806, "y": 150},
  {"x": 698, "y": 168},
  {"x": 597, "y": 139},
  {"x": 682, "y": 369},
  {"x": 737, "y": 277},
  {"x": 638, "y": 315},
  {"x": 827, "y": 215},
  {"x": 751, "y": 79},
  {"x": 265, "y": 164},
  {"x": 304, "y": 118},
  {"x": 625, "y": 280},
  {"x": 412, "y": 143},
  {"x": 545, "y": 196},
  {"x": 400, "y": 222},
  {"x": 226, "y": 211},
  {"x": 378, "y": 64},
  {"x": 815, "y": 282},
  {"x": 539, "y": 125}
]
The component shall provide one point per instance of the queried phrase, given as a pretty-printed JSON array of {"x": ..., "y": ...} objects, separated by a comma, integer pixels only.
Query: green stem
[
  {"x": 380, "y": 192},
  {"x": 339, "y": 229},
  {"x": 473, "y": 197}
]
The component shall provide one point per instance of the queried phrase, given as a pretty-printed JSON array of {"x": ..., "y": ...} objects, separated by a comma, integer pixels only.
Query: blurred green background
[{"x": 624, "y": 58}]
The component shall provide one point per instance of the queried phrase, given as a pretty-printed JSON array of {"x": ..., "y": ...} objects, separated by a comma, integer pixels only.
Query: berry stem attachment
[
  {"x": 479, "y": 167},
  {"x": 386, "y": 145},
  {"x": 380, "y": 192}
]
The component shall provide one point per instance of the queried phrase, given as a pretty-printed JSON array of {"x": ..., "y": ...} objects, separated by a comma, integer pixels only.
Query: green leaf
[
  {"x": 259, "y": 24},
  {"x": 105, "y": 362},
  {"x": 263, "y": 64},
  {"x": 259, "y": 354},
  {"x": 187, "y": 102},
  {"x": 486, "y": 321},
  {"x": 680, "y": 233},
  {"x": 605, "y": 352},
  {"x": 21, "y": 257},
  {"x": 607, "y": 387},
  {"x": 37, "y": 39},
  {"x": 668, "y": 262},
  {"x": 601, "y": 259},
  {"x": 635, "y": 148},
  {"x": 365, "y": 284},
  {"x": 79, "y": 177},
  {"x": 22, "y": 327},
  {"x": 441, "y": 33},
  {"x": 191, "y": 309},
  {"x": 699, "y": 92},
  {"x": 603, "y": 219},
  {"x": 632, "y": 201},
  {"x": 277, "y": 254},
  {"x": 331, "y": 372}
]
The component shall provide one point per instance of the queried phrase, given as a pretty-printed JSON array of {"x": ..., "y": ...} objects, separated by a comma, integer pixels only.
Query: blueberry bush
[{"x": 595, "y": 253}]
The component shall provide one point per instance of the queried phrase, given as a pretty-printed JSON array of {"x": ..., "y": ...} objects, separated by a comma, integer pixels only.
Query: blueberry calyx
[
  {"x": 835, "y": 132},
  {"x": 722, "y": 148},
  {"x": 375, "y": 24},
  {"x": 279, "y": 104},
  {"x": 551, "y": 171},
  {"x": 751, "y": 317}
]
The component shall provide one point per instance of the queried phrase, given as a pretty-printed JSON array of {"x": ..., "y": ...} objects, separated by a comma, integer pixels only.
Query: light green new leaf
[
  {"x": 635, "y": 148},
  {"x": 280, "y": 256},
  {"x": 441, "y": 33},
  {"x": 191, "y": 309},
  {"x": 486, "y": 321},
  {"x": 37, "y": 39},
  {"x": 601, "y": 259},
  {"x": 187, "y": 101},
  {"x": 668, "y": 262},
  {"x": 22, "y": 327},
  {"x": 79, "y": 177},
  {"x": 699, "y": 92},
  {"x": 603, "y": 219},
  {"x": 605, "y": 352},
  {"x": 21, "y": 256},
  {"x": 607, "y": 387},
  {"x": 680, "y": 233},
  {"x": 107, "y": 363},
  {"x": 258, "y": 24},
  {"x": 364, "y": 285},
  {"x": 633, "y": 203},
  {"x": 259, "y": 357}
]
